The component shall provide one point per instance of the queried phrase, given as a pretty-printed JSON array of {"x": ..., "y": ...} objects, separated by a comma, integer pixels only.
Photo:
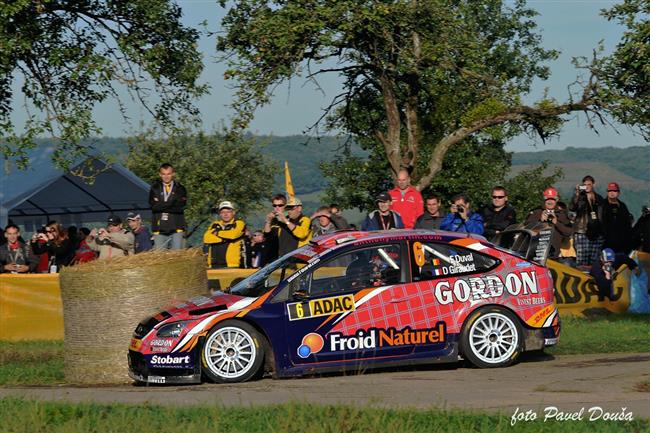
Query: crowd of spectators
[{"x": 586, "y": 233}]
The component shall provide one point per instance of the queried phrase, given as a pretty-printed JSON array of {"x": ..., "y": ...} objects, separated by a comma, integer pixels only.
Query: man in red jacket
[{"x": 407, "y": 201}]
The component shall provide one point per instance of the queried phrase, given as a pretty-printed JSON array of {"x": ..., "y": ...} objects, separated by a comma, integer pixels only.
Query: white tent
[{"x": 31, "y": 198}]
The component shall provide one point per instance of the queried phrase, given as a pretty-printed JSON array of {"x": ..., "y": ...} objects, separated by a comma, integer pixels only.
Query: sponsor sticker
[
  {"x": 135, "y": 344},
  {"x": 320, "y": 307},
  {"x": 485, "y": 287},
  {"x": 372, "y": 338},
  {"x": 170, "y": 361}
]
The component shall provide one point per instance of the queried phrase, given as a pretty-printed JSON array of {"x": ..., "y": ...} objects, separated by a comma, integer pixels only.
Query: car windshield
[{"x": 268, "y": 277}]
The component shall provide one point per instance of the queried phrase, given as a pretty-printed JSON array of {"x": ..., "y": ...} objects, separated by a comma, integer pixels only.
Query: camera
[
  {"x": 460, "y": 209},
  {"x": 582, "y": 188},
  {"x": 550, "y": 212},
  {"x": 645, "y": 210}
]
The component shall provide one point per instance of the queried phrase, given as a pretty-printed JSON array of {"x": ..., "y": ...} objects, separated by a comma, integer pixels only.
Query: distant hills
[{"x": 629, "y": 167}]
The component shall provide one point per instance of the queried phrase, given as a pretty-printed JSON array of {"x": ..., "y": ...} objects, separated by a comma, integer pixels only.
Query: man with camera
[
  {"x": 16, "y": 257},
  {"x": 112, "y": 241},
  {"x": 288, "y": 231},
  {"x": 588, "y": 232},
  {"x": 224, "y": 238},
  {"x": 604, "y": 270},
  {"x": 556, "y": 217},
  {"x": 461, "y": 218}
]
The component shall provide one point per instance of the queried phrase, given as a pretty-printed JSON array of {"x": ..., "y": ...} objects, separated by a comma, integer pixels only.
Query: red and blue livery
[{"x": 356, "y": 300}]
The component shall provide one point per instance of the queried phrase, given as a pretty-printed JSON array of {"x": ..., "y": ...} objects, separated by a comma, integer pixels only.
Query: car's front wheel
[
  {"x": 233, "y": 352},
  {"x": 492, "y": 337}
]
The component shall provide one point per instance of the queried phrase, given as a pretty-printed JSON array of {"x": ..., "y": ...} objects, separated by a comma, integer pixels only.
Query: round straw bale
[{"x": 104, "y": 300}]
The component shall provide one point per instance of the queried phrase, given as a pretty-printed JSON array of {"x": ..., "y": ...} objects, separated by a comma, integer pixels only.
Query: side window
[
  {"x": 355, "y": 270},
  {"x": 433, "y": 260}
]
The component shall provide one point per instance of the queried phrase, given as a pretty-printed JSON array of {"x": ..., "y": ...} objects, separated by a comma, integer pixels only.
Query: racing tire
[
  {"x": 492, "y": 337},
  {"x": 233, "y": 352}
]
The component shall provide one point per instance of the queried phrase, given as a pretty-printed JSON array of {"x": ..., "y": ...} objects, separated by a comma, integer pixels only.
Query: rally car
[{"x": 354, "y": 300}]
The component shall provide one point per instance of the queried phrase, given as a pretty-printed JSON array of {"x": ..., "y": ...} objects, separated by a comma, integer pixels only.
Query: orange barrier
[{"x": 30, "y": 307}]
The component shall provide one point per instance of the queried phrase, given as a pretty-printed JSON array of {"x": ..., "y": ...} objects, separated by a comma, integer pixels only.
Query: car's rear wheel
[
  {"x": 233, "y": 352},
  {"x": 492, "y": 337}
]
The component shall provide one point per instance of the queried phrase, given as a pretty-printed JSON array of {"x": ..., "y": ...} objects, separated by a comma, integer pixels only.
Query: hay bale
[{"x": 103, "y": 301}]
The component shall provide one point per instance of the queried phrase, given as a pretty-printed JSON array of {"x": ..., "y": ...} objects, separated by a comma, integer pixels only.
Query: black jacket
[
  {"x": 617, "y": 226},
  {"x": 497, "y": 221},
  {"x": 428, "y": 222},
  {"x": 641, "y": 234},
  {"x": 21, "y": 256},
  {"x": 167, "y": 215}
]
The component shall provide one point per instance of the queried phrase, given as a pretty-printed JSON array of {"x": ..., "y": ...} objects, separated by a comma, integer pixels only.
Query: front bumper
[{"x": 141, "y": 372}]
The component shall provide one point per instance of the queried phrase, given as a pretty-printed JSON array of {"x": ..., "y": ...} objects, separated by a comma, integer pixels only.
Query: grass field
[
  {"x": 31, "y": 363},
  {"x": 41, "y": 362},
  {"x": 19, "y": 415},
  {"x": 604, "y": 334}
]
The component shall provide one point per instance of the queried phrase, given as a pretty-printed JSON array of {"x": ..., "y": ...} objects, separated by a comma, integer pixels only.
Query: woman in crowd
[{"x": 56, "y": 243}]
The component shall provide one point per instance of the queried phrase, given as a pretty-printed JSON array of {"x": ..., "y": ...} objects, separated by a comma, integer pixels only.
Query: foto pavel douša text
[{"x": 552, "y": 413}]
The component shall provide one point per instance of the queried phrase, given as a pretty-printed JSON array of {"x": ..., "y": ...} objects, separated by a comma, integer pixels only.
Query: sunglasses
[
  {"x": 499, "y": 196},
  {"x": 278, "y": 205}
]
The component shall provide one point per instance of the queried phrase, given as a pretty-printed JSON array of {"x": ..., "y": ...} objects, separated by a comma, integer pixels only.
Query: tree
[
  {"x": 73, "y": 55},
  {"x": 626, "y": 72},
  {"x": 420, "y": 77},
  {"x": 212, "y": 168}
]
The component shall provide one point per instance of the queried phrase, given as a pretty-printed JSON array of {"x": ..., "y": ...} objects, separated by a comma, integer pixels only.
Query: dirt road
[{"x": 609, "y": 381}]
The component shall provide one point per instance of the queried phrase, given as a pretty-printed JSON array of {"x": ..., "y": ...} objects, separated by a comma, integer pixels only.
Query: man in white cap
[
  {"x": 224, "y": 238},
  {"x": 143, "y": 239}
]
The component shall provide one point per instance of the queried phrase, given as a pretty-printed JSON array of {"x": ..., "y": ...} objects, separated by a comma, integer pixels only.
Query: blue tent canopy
[{"x": 30, "y": 198}]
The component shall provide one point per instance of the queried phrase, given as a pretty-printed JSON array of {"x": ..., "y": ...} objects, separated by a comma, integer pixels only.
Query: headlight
[{"x": 172, "y": 330}]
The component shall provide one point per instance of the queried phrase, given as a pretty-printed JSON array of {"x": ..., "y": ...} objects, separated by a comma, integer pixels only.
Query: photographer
[
  {"x": 604, "y": 270},
  {"x": 224, "y": 238},
  {"x": 588, "y": 236},
  {"x": 56, "y": 244},
  {"x": 641, "y": 231},
  {"x": 551, "y": 214},
  {"x": 112, "y": 241},
  {"x": 461, "y": 218}
]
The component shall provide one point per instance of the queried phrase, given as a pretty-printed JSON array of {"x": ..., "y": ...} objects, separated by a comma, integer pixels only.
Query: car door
[
  {"x": 451, "y": 278},
  {"x": 335, "y": 308}
]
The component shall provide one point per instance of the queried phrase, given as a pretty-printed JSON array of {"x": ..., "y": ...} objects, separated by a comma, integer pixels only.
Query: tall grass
[{"x": 20, "y": 415}]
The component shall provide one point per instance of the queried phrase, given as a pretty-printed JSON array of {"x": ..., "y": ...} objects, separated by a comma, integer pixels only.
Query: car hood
[{"x": 201, "y": 305}]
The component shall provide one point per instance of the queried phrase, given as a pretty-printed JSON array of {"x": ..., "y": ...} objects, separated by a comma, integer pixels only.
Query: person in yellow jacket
[
  {"x": 292, "y": 230},
  {"x": 224, "y": 238}
]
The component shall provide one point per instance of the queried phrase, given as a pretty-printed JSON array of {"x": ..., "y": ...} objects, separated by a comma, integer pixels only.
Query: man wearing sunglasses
[
  {"x": 499, "y": 214},
  {"x": 286, "y": 232}
]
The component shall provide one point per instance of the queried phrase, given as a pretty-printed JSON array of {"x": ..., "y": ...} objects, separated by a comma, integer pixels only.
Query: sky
[{"x": 573, "y": 27}]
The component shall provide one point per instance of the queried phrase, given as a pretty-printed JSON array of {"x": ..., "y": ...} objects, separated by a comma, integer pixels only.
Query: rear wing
[{"x": 529, "y": 241}]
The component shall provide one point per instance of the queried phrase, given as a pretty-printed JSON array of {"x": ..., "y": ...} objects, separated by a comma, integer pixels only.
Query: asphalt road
[{"x": 569, "y": 383}]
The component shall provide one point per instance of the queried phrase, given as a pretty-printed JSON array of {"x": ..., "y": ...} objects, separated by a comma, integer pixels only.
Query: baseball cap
[
  {"x": 613, "y": 186},
  {"x": 133, "y": 216},
  {"x": 608, "y": 255},
  {"x": 550, "y": 193},
  {"x": 383, "y": 197},
  {"x": 226, "y": 205},
  {"x": 114, "y": 220},
  {"x": 293, "y": 202}
]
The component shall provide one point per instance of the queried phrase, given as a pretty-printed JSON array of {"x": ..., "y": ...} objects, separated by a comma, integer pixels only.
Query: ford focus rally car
[{"x": 354, "y": 300}]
